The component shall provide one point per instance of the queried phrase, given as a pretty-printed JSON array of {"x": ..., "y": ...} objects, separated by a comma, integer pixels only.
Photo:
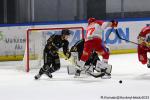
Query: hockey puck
[{"x": 120, "y": 81}]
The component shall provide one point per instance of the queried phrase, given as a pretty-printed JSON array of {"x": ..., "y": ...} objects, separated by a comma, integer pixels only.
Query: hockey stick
[
  {"x": 147, "y": 45},
  {"x": 124, "y": 38},
  {"x": 116, "y": 24}
]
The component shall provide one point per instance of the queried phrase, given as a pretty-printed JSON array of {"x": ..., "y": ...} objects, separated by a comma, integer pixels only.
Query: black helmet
[{"x": 65, "y": 32}]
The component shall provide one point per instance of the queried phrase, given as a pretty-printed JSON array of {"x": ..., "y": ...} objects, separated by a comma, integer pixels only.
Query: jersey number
[{"x": 90, "y": 31}]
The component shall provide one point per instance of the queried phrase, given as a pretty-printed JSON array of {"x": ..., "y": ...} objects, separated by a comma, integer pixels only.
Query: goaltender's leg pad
[
  {"x": 74, "y": 57},
  {"x": 109, "y": 69},
  {"x": 71, "y": 70}
]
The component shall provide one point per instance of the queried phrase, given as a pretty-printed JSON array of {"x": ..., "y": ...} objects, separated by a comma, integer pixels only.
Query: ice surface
[{"x": 19, "y": 85}]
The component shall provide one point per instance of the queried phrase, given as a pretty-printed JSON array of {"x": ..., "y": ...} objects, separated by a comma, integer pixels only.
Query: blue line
[{"x": 70, "y": 22}]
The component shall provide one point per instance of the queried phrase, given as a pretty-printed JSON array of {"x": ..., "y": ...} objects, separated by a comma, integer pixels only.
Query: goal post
[{"x": 36, "y": 39}]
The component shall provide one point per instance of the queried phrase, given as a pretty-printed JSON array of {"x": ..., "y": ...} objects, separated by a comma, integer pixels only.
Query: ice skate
[{"x": 49, "y": 74}]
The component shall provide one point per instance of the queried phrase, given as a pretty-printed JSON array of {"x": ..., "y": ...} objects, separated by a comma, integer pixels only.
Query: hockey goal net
[{"x": 36, "y": 40}]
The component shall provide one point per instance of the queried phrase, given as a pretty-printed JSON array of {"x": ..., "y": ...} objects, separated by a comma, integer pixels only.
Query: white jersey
[{"x": 94, "y": 30}]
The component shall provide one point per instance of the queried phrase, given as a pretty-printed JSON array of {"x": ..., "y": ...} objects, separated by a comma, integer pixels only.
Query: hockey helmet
[
  {"x": 65, "y": 32},
  {"x": 91, "y": 19}
]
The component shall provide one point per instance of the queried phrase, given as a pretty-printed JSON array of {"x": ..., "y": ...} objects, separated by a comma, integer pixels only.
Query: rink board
[{"x": 12, "y": 37}]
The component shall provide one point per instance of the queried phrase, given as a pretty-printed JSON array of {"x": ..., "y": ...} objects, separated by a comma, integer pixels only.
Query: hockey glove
[
  {"x": 141, "y": 41},
  {"x": 148, "y": 44},
  {"x": 114, "y": 23},
  {"x": 68, "y": 55}
]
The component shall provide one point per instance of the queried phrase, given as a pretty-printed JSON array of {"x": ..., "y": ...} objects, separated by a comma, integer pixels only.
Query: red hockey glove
[{"x": 114, "y": 23}]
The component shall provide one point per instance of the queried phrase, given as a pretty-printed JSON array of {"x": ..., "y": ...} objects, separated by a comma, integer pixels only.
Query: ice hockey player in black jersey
[{"x": 51, "y": 57}]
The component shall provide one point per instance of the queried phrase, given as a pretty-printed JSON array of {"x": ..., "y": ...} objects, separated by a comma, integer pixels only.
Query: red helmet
[{"x": 91, "y": 19}]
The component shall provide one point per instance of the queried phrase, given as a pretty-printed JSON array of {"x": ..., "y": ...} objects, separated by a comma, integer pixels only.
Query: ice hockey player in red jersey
[
  {"x": 144, "y": 46},
  {"x": 93, "y": 41}
]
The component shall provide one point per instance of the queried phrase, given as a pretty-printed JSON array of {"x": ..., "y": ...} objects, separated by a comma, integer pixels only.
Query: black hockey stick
[{"x": 124, "y": 38}]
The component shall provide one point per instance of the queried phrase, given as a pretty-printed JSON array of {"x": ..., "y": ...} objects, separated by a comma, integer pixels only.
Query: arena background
[
  {"x": 24, "y": 11},
  {"x": 17, "y": 16}
]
